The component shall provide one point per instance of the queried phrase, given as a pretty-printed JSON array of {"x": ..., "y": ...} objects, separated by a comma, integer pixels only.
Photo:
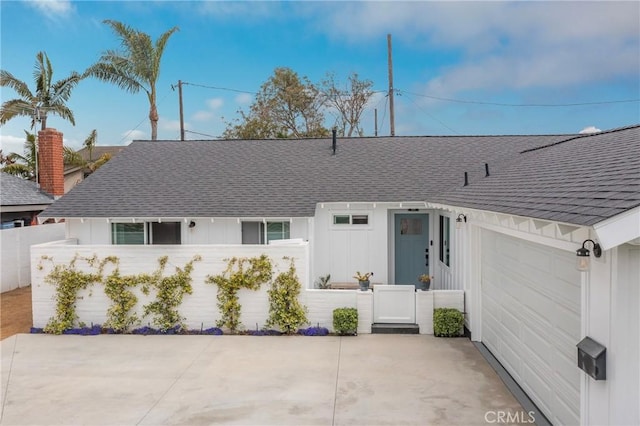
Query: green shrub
[
  {"x": 345, "y": 321},
  {"x": 447, "y": 322}
]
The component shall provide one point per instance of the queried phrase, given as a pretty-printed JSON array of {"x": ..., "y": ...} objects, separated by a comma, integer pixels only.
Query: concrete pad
[{"x": 249, "y": 380}]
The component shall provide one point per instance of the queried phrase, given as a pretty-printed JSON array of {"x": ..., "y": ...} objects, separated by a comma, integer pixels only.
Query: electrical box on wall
[{"x": 592, "y": 358}]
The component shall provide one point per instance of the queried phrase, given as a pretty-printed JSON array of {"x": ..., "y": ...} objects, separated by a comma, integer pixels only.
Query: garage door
[{"x": 531, "y": 320}]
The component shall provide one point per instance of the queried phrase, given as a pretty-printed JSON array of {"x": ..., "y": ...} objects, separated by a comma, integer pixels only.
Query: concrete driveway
[{"x": 248, "y": 380}]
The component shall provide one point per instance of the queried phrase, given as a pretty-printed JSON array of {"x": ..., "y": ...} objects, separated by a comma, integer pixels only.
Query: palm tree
[
  {"x": 24, "y": 165},
  {"x": 135, "y": 67},
  {"x": 49, "y": 97}
]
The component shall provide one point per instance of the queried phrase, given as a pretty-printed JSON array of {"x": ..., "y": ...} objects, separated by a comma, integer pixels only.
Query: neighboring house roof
[
  {"x": 582, "y": 180},
  {"x": 15, "y": 191},
  {"x": 97, "y": 152},
  {"x": 282, "y": 178}
]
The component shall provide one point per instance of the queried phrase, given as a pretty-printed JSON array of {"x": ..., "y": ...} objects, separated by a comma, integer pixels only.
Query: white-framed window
[
  {"x": 261, "y": 233},
  {"x": 128, "y": 233},
  {"x": 146, "y": 233},
  {"x": 340, "y": 219}
]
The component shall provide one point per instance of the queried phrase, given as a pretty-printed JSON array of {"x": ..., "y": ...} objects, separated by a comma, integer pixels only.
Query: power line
[
  {"x": 201, "y": 134},
  {"x": 431, "y": 116},
  {"x": 463, "y": 101},
  {"x": 219, "y": 88}
]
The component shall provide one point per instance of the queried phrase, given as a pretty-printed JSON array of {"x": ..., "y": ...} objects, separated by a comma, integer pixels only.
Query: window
[
  {"x": 341, "y": 219},
  {"x": 360, "y": 219},
  {"x": 165, "y": 232},
  {"x": 146, "y": 233},
  {"x": 257, "y": 233},
  {"x": 346, "y": 219},
  {"x": 444, "y": 240},
  {"x": 127, "y": 233},
  {"x": 277, "y": 231}
]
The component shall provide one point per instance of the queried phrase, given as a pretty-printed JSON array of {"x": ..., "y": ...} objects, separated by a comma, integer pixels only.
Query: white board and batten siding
[{"x": 531, "y": 320}]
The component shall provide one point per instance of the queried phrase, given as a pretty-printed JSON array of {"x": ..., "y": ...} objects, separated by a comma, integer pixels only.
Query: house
[
  {"x": 20, "y": 201},
  {"x": 497, "y": 217},
  {"x": 74, "y": 174}
]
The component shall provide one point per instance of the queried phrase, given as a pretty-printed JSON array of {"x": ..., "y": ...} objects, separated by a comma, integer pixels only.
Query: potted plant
[
  {"x": 363, "y": 279},
  {"x": 425, "y": 282}
]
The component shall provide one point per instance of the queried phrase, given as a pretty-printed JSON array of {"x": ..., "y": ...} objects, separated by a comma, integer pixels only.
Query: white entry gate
[{"x": 394, "y": 304}]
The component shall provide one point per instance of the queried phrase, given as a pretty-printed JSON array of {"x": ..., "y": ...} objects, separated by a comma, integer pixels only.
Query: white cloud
[
  {"x": 171, "y": 125},
  {"x": 131, "y": 135},
  {"x": 10, "y": 143},
  {"x": 501, "y": 45},
  {"x": 202, "y": 116},
  {"x": 215, "y": 103},
  {"x": 52, "y": 8},
  {"x": 244, "y": 99},
  {"x": 590, "y": 129}
]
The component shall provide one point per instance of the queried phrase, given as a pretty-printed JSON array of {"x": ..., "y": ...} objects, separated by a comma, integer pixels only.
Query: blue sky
[{"x": 490, "y": 53}]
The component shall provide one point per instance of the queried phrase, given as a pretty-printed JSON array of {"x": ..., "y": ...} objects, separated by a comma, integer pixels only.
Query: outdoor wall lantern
[
  {"x": 583, "y": 253},
  {"x": 192, "y": 224},
  {"x": 460, "y": 220}
]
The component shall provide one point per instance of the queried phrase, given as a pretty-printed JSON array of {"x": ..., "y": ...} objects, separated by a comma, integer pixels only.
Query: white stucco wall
[{"x": 15, "y": 243}]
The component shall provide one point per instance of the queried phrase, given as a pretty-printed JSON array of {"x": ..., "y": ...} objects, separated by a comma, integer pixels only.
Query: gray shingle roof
[
  {"x": 15, "y": 191},
  {"x": 582, "y": 180},
  {"x": 282, "y": 178},
  {"x": 577, "y": 181}
]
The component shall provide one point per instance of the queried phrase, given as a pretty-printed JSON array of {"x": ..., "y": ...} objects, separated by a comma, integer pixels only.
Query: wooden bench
[{"x": 348, "y": 286}]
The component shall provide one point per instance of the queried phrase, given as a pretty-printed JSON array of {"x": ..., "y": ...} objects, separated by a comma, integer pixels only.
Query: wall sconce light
[
  {"x": 583, "y": 262},
  {"x": 192, "y": 224},
  {"x": 460, "y": 220}
]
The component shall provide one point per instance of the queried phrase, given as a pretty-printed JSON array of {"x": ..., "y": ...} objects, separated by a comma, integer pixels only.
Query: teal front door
[{"x": 411, "y": 247}]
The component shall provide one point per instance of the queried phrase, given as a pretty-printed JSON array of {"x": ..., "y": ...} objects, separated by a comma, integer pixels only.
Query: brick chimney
[{"x": 51, "y": 162}]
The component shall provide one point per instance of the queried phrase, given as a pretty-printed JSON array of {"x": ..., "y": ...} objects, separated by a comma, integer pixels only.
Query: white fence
[
  {"x": 200, "y": 308},
  {"x": 15, "y": 244}
]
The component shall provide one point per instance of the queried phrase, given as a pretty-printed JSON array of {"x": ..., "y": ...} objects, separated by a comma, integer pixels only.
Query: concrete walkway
[{"x": 248, "y": 380}]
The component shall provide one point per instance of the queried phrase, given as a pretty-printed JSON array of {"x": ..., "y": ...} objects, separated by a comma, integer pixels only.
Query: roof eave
[{"x": 619, "y": 229}]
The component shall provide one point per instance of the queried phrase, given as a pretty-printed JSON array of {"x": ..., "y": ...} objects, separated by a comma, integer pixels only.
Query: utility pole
[
  {"x": 181, "y": 113},
  {"x": 392, "y": 124}
]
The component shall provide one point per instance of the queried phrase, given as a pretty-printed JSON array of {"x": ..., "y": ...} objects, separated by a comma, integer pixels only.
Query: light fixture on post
[
  {"x": 583, "y": 263},
  {"x": 460, "y": 220}
]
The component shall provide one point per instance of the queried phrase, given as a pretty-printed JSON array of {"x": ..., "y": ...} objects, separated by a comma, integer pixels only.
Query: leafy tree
[
  {"x": 48, "y": 98},
  {"x": 286, "y": 106},
  {"x": 349, "y": 102},
  {"x": 135, "y": 67}
]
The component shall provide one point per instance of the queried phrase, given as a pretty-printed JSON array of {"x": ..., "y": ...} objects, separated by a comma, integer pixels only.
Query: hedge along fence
[{"x": 198, "y": 308}]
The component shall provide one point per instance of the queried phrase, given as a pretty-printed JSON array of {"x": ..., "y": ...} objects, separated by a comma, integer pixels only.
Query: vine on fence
[
  {"x": 249, "y": 273},
  {"x": 119, "y": 288},
  {"x": 285, "y": 310},
  {"x": 170, "y": 292},
  {"x": 68, "y": 281}
]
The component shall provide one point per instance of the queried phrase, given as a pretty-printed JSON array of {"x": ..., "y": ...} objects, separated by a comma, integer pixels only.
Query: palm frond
[
  {"x": 15, "y": 108},
  {"x": 111, "y": 73},
  {"x": 8, "y": 80},
  {"x": 161, "y": 42}
]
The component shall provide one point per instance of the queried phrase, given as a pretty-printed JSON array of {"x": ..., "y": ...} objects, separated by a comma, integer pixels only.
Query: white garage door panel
[{"x": 531, "y": 320}]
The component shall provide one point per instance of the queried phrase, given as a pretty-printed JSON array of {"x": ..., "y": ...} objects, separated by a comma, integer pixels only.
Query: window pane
[
  {"x": 444, "y": 240},
  {"x": 165, "y": 233},
  {"x": 277, "y": 231},
  {"x": 341, "y": 219},
  {"x": 361, "y": 219},
  {"x": 127, "y": 233}
]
